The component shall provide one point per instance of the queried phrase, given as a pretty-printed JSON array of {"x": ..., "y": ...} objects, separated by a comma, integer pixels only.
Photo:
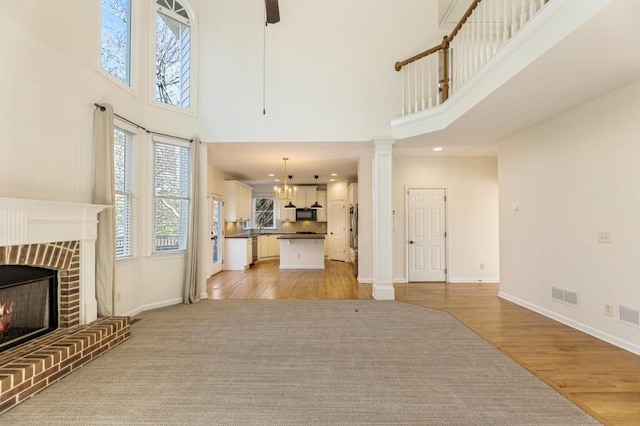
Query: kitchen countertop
[
  {"x": 301, "y": 237},
  {"x": 279, "y": 234}
]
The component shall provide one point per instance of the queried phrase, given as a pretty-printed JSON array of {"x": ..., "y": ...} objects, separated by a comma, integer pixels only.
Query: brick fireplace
[{"x": 60, "y": 237}]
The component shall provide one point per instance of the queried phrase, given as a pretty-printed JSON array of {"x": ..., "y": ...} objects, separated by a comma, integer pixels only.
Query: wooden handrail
[
  {"x": 434, "y": 49},
  {"x": 398, "y": 66},
  {"x": 464, "y": 19}
]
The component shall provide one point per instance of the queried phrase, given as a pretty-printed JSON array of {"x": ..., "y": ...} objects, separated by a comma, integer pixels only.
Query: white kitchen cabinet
[
  {"x": 274, "y": 245},
  {"x": 268, "y": 246},
  {"x": 263, "y": 246},
  {"x": 305, "y": 196},
  {"x": 288, "y": 215},
  {"x": 237, "y": 201},
  {"x": 237, "y": 254},
  {"x": 322, "y": 200}
]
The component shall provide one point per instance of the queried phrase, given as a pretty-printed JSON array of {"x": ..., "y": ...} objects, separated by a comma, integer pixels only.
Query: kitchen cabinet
[
  {"x": 305, "y": 196},
  {"x": 268, "y": 246},
  {"x": 322, "y": 200},
  {"x": 237, "y": 254},
  {"x": 288, "y": 215},
  {"x": 263, "y": 246},
  {"x": 274, "y": 245},
  {"x": 237, "y": 201}
]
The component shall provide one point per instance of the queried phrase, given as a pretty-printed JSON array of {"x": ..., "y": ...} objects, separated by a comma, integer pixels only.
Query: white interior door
[
  {"x": 426, "y": 235},
  {"x": 215, "y": 230},
  {"x": 336, "y": 230}
]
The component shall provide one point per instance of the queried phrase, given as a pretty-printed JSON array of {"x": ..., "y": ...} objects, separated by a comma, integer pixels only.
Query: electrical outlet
[
  {"x": 608, "y": 309},
  {"x": 604, "y": 237},
  {"x": 118, "y": 296},
  {"x": 482, "y": 266}
]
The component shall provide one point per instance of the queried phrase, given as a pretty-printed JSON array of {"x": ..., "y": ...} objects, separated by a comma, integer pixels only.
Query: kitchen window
[{"x": 264, "y": 215}]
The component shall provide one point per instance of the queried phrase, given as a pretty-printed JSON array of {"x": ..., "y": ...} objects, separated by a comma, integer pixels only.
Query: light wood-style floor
[{"x": 601, "y": 378}]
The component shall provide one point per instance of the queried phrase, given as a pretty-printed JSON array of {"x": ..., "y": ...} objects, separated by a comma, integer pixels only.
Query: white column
[
  {"x": 383, "y": 219},
  {"x": 88, "y": 302}
]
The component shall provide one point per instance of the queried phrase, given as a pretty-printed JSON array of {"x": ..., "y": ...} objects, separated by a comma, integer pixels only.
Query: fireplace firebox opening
[{"x": 28, "y": 303}]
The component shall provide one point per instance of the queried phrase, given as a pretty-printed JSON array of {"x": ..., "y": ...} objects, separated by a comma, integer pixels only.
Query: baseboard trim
[
  {"x": 623, "y": 344},
  {"x": 489, "y": 280},
  {"x": 151, "y": 306}
]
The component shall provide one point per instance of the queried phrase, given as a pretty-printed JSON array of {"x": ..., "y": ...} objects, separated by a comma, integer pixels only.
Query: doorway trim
[{"x": 446, "y": 229}]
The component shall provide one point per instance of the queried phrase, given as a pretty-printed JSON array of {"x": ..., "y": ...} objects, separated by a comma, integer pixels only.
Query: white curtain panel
[
  {"x": 104, "y": 193},
  {"x": 192, "y": 285}
]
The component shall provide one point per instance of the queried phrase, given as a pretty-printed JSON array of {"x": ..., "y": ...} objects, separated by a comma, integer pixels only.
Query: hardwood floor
[{"x": 601, "y": 378}]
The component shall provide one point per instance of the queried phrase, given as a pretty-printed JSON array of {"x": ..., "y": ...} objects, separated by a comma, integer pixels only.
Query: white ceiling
[{"x": 600, "y": 56}]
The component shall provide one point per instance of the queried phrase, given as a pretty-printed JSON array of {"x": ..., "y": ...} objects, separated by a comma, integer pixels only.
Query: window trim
[
  {"x": 275, "y": 208},
  {"x": 193, "y": 83},
  {"x": 153, "y": 138},
  {"x": 134, "y": 51}
]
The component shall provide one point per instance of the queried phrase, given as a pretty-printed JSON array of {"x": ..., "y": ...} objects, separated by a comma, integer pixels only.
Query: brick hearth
[{"x": 31, "y": 367}]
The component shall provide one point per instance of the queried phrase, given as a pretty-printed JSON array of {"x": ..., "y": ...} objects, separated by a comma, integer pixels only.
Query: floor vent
[
  {"x": 566, "y": 296},
  {"x": 629, "y": 315}
]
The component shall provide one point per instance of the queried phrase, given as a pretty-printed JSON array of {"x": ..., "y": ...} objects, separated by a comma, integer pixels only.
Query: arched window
[{"x": 173, "y": 53}]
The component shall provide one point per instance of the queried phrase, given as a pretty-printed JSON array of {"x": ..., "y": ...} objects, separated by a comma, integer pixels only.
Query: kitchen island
[{"x": 301, "y": 251}]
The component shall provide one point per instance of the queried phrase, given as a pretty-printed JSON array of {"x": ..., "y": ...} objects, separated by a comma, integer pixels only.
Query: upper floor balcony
[{"x": 511, "y": 63}]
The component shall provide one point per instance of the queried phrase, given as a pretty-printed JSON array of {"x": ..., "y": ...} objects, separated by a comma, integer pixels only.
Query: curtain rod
[{"x": 102, "y": 108}]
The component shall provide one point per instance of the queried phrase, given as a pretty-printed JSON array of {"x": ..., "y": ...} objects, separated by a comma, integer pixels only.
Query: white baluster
[
  {"x": 523, "y": 15},
  {"x": 402, "y": 89},
  {"x": 532, "y": 8},
  {"x": 505, "y": 20},
  {"x": 422, "y": 61},
  {"x": 415, "y": 88},
  {"x": 429, "y": 86},
  {"x": 514, "y": 24},
  {"x": 408, "y": 90}
]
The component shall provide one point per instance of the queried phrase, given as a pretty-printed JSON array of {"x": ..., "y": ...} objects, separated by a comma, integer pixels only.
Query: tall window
[
  {"x": 264, "y": 212},
  {"x": 116, "y": 39},
  {"x": 173, "y": 54},
  {"x": 171, "y": 196},
  {"x": 123, "y": 177}
]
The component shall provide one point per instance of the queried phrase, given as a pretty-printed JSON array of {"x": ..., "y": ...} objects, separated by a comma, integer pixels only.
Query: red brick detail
[{"x": 29, "y": 368}]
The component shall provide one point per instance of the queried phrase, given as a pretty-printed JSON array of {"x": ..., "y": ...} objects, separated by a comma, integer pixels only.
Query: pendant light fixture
[
  {"x": 316, "y": 205},
  {"x": 286, "y": 192}
]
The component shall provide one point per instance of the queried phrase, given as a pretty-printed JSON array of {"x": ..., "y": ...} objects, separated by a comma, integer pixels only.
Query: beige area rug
[{"x": 266, "y": 362}]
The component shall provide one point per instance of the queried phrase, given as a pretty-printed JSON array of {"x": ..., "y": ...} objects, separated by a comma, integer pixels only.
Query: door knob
[{"x": 411, "y": 242}]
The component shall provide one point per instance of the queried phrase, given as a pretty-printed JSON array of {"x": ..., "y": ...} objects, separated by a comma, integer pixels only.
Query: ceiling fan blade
[{"x": 273, "y": 12}]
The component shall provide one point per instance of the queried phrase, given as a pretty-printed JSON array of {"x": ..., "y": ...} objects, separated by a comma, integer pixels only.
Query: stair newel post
[{"x": 445, "y": 69}]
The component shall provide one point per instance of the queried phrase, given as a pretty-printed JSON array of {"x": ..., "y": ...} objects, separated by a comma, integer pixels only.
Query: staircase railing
[{"x": 430, "y": 77}]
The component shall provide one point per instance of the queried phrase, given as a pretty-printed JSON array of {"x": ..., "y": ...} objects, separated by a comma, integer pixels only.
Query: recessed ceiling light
[
  {"x": 271, "y": 175},
  {"x": 334, "y": 174},
  {"x": 276, "y": 180},
  {"x": 437, "y": 148},
  {"x": 332, "y": 180}
]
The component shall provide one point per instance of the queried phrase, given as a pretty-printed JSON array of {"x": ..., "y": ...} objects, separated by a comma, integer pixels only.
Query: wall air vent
[
  {"x": 630, "y": 315},
  {"x": 565, "y": 296}
]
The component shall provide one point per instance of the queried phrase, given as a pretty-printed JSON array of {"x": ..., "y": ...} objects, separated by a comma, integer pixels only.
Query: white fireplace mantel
[{"x": 24, "y": 221}]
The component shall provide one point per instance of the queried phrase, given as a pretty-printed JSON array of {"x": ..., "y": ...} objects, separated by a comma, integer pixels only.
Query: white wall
[
  {"x": 330, "y": 74},
  {"x": 572, "y": 177},
  {"x": 50, "y": 80},
  {"x": 472, "y": 213}
]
